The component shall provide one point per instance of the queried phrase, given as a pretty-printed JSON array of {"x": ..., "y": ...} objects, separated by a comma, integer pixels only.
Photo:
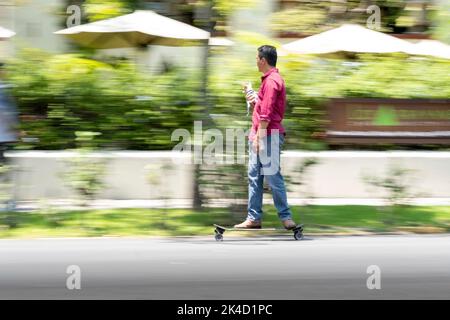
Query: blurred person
[
  {"x": 268, "y": 111},
  {"x": 8, "y": 117}
]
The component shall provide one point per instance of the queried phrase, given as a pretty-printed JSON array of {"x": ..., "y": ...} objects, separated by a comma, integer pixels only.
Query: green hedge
[
  {"x": 67, "y": 93},
  {"x": 137, "y": 110}
]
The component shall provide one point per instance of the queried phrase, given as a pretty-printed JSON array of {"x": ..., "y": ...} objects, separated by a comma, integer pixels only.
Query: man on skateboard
[{"x": 265, "y": 141}]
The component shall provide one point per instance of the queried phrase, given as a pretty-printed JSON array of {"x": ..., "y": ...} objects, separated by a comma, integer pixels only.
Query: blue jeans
[{"x": 266, "y": 164}]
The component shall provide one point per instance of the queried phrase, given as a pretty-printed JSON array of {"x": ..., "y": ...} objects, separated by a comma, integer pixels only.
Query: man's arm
[
  {"x": 262, "y": 132},
  {"x": 267, "y": 107},
  {"x": 262, "y": 129},
  {"x": 268, "y": 101}
]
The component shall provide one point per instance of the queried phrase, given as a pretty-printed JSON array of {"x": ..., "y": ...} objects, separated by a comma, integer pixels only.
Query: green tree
[
  {"x": 58, "y": 95},
  {"x": 311, "y": 17},
  {"x": 104, "y": 9},
  {"x": 396, "y": 184},
  {"x": 440, "y": 18},
  {"x": 85, "y": 174}
]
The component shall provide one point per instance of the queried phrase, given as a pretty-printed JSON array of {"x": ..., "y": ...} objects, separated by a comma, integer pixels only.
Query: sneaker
[
  {"x": 249, "y": 224},
  {"x": 289, "y": 224}
]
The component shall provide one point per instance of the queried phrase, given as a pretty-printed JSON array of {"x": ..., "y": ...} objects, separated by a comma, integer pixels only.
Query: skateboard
[{"x": 220, "y": 230}]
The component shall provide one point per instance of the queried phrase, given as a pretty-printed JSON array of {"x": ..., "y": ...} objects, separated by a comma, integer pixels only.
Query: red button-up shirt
[{"x": 271, "y": 103}]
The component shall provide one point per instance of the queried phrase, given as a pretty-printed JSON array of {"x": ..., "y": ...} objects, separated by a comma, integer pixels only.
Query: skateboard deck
[{"x": 220, "y": 230}]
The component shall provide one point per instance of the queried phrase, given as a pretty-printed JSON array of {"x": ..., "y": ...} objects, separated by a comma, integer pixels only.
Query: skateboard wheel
[
  {"x": 298, "y": 235},
  {"x": 219, "y": 237}
]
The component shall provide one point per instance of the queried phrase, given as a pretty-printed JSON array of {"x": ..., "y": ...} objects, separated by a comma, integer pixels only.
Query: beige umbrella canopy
[
  {"x": 220, "y": 42},
  {"x": 140, "y": 28},
  {"x": 431, "y": 48},
  {"x": 350, "y": 38},
  {"x": 5, "y": 33}
]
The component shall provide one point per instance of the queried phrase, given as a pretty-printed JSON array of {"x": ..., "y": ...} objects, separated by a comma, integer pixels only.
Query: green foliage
[
  {"x": 221, "y": 10},
  {"x": 369, "y": 76},
  {"x": 225, "y": 181},
  {"x": 188, "y": 222},
  {"x": 311, "y": 17},
  {"x": 155, "y": 176},
  {"x": 85, "y": 176},
  {"x": 395, "y": 76},
  {"x": 226, "y": 7},
  {"x": 58, "y": 95},
  {"x": 395, "y": 183},
  {"x": 301, "y": 174},
  {"x": 441, "y": 18},
  {"x": 85, "y": 173},
  {"x": 5, "y": 186},
  {"x": 8, "y": 218},
  {"x": 311, "y": 81},
  {"x": 101, "y": 9}
]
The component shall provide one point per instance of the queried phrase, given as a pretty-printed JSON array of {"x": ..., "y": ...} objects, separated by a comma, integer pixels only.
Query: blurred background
[{"x": 91, "y": 92}]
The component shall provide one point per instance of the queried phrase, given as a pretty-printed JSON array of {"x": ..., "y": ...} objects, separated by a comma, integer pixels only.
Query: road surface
[{"x": 404, "y": 267}]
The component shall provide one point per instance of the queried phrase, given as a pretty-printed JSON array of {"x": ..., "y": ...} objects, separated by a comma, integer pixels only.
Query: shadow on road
[{"x": 261, "y": 240}]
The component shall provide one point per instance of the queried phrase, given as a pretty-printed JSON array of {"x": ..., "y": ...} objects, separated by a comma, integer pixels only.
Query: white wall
[
  {"x": 338, "y": 175},
  {"x": 37, "y": 176}
]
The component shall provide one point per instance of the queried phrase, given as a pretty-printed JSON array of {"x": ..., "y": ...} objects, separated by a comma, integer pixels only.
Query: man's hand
[
  {"x": 251, "y": 97},
  {"x": 255, "y": 145},
  {"x": 258, "y": 145}
]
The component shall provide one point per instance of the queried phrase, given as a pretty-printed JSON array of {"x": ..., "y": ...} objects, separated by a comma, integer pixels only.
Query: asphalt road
[{"x": 411, "y": 267}]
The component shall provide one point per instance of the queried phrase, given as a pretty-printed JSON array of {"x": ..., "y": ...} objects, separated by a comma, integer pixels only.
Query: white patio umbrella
[
  {"x": 5, "y": 33},
  {"x": 140, "y": 28},
  {"x": 431, "y": 48},
  {"x": 350, "y": 38},
  {"x": 220, "y": 42}
]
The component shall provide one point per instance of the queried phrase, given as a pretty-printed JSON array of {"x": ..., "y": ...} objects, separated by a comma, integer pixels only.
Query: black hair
[{"x": 269, "y": 53}]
